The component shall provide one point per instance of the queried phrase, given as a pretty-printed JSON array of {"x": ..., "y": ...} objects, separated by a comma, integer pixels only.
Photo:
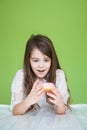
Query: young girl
[{"x": 41, "y": 66}]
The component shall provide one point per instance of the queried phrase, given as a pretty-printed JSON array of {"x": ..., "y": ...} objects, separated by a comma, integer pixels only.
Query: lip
[{"x": 41, "y": 71}]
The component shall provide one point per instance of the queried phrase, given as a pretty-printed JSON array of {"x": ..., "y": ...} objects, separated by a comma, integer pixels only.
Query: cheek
[
  {"x": 33, "y": 66},
  {"x": 49, "y": 64}
]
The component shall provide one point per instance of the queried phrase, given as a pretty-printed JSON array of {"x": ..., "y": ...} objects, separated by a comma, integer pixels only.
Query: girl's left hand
[{"x": 54, "y": 96}]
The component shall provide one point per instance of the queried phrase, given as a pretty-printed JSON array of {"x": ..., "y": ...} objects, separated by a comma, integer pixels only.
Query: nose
[{"x": 41, "y": 65}]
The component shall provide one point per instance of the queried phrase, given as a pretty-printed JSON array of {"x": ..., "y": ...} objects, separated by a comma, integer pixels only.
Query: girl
[{"x": 40, "y": 65}]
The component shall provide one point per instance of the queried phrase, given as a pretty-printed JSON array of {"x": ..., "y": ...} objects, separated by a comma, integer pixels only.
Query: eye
[
  {"x": 47, "y": 60},
  {"x": 35, "y": 60}
]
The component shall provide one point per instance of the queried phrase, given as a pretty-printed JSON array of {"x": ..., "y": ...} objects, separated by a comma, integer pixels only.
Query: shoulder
[
  {"x": 19, "y": 73},
  {"x": 19, "y": 76},
  {"x": 18, "y": 80},
  {"x": 60, "y": 75},
  {"x": 60, "y": 78},
  {"x": 60, "y": 72}
]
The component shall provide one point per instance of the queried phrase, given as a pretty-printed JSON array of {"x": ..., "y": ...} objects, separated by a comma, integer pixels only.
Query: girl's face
[{"x": 40, "y": 63}]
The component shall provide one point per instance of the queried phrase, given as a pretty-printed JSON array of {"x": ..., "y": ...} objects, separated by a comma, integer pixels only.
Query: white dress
[
  {"x": 18, "y": 93},
  {"x": 44, "y": 116}
]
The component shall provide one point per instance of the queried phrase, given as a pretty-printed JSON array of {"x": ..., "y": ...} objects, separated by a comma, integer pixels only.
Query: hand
[
  {"x": 36, "y": 93},
  {"x": 54, "y": 96}
]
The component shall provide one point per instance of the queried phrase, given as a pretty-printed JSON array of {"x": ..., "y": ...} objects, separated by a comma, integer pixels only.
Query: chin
[{"x": 41, "y": 76}]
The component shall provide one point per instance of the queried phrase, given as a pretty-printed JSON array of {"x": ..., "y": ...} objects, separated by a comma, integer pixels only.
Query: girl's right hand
[
  {"x": 32, "y": 98},
  {"x": 36, "y": 92}
]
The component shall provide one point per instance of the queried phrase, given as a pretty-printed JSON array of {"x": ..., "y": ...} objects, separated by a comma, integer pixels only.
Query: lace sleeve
[
  {"x": 17, "y": 89},
  {"x": 62, "y": 85}
]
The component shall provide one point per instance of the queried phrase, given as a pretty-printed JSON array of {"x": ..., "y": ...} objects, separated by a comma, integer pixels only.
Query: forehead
[{"x": 37, "y": 53}]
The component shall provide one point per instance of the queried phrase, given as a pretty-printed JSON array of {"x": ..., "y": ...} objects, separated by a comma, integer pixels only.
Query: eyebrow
[
  {"x": 38, "y": 58},
  {"x": 34, "y": 58}
]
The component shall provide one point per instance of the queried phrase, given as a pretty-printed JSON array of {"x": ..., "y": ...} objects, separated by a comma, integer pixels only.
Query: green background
[{"x": 64, "y": 21}]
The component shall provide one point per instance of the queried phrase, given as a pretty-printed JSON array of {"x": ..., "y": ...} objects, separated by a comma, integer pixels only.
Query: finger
[
  {"x": 35, "y": 84},
  {"x": 39, "y": 88},
  {"x": 51, "y": 95},
  {"x": 40, "y": 93},
  {"x": 50, "y": 100},
  {"x": 55, "y": 91}
]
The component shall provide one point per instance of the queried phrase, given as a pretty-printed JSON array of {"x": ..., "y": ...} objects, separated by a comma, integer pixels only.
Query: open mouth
[{"x": 41, "y": 70}]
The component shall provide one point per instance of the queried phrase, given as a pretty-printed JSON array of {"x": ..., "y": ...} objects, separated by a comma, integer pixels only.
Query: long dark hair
[{"x": 45, "y": 45}]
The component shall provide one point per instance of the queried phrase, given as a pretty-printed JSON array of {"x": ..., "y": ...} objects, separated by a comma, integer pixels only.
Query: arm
[
  {"x": 22, "y": 107},
  {"x": 59, "y": 95},
  {"x": 18, "y": 105},
  {"x": 56, "y": 99},
  {"x": 19, "y": 102}
]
